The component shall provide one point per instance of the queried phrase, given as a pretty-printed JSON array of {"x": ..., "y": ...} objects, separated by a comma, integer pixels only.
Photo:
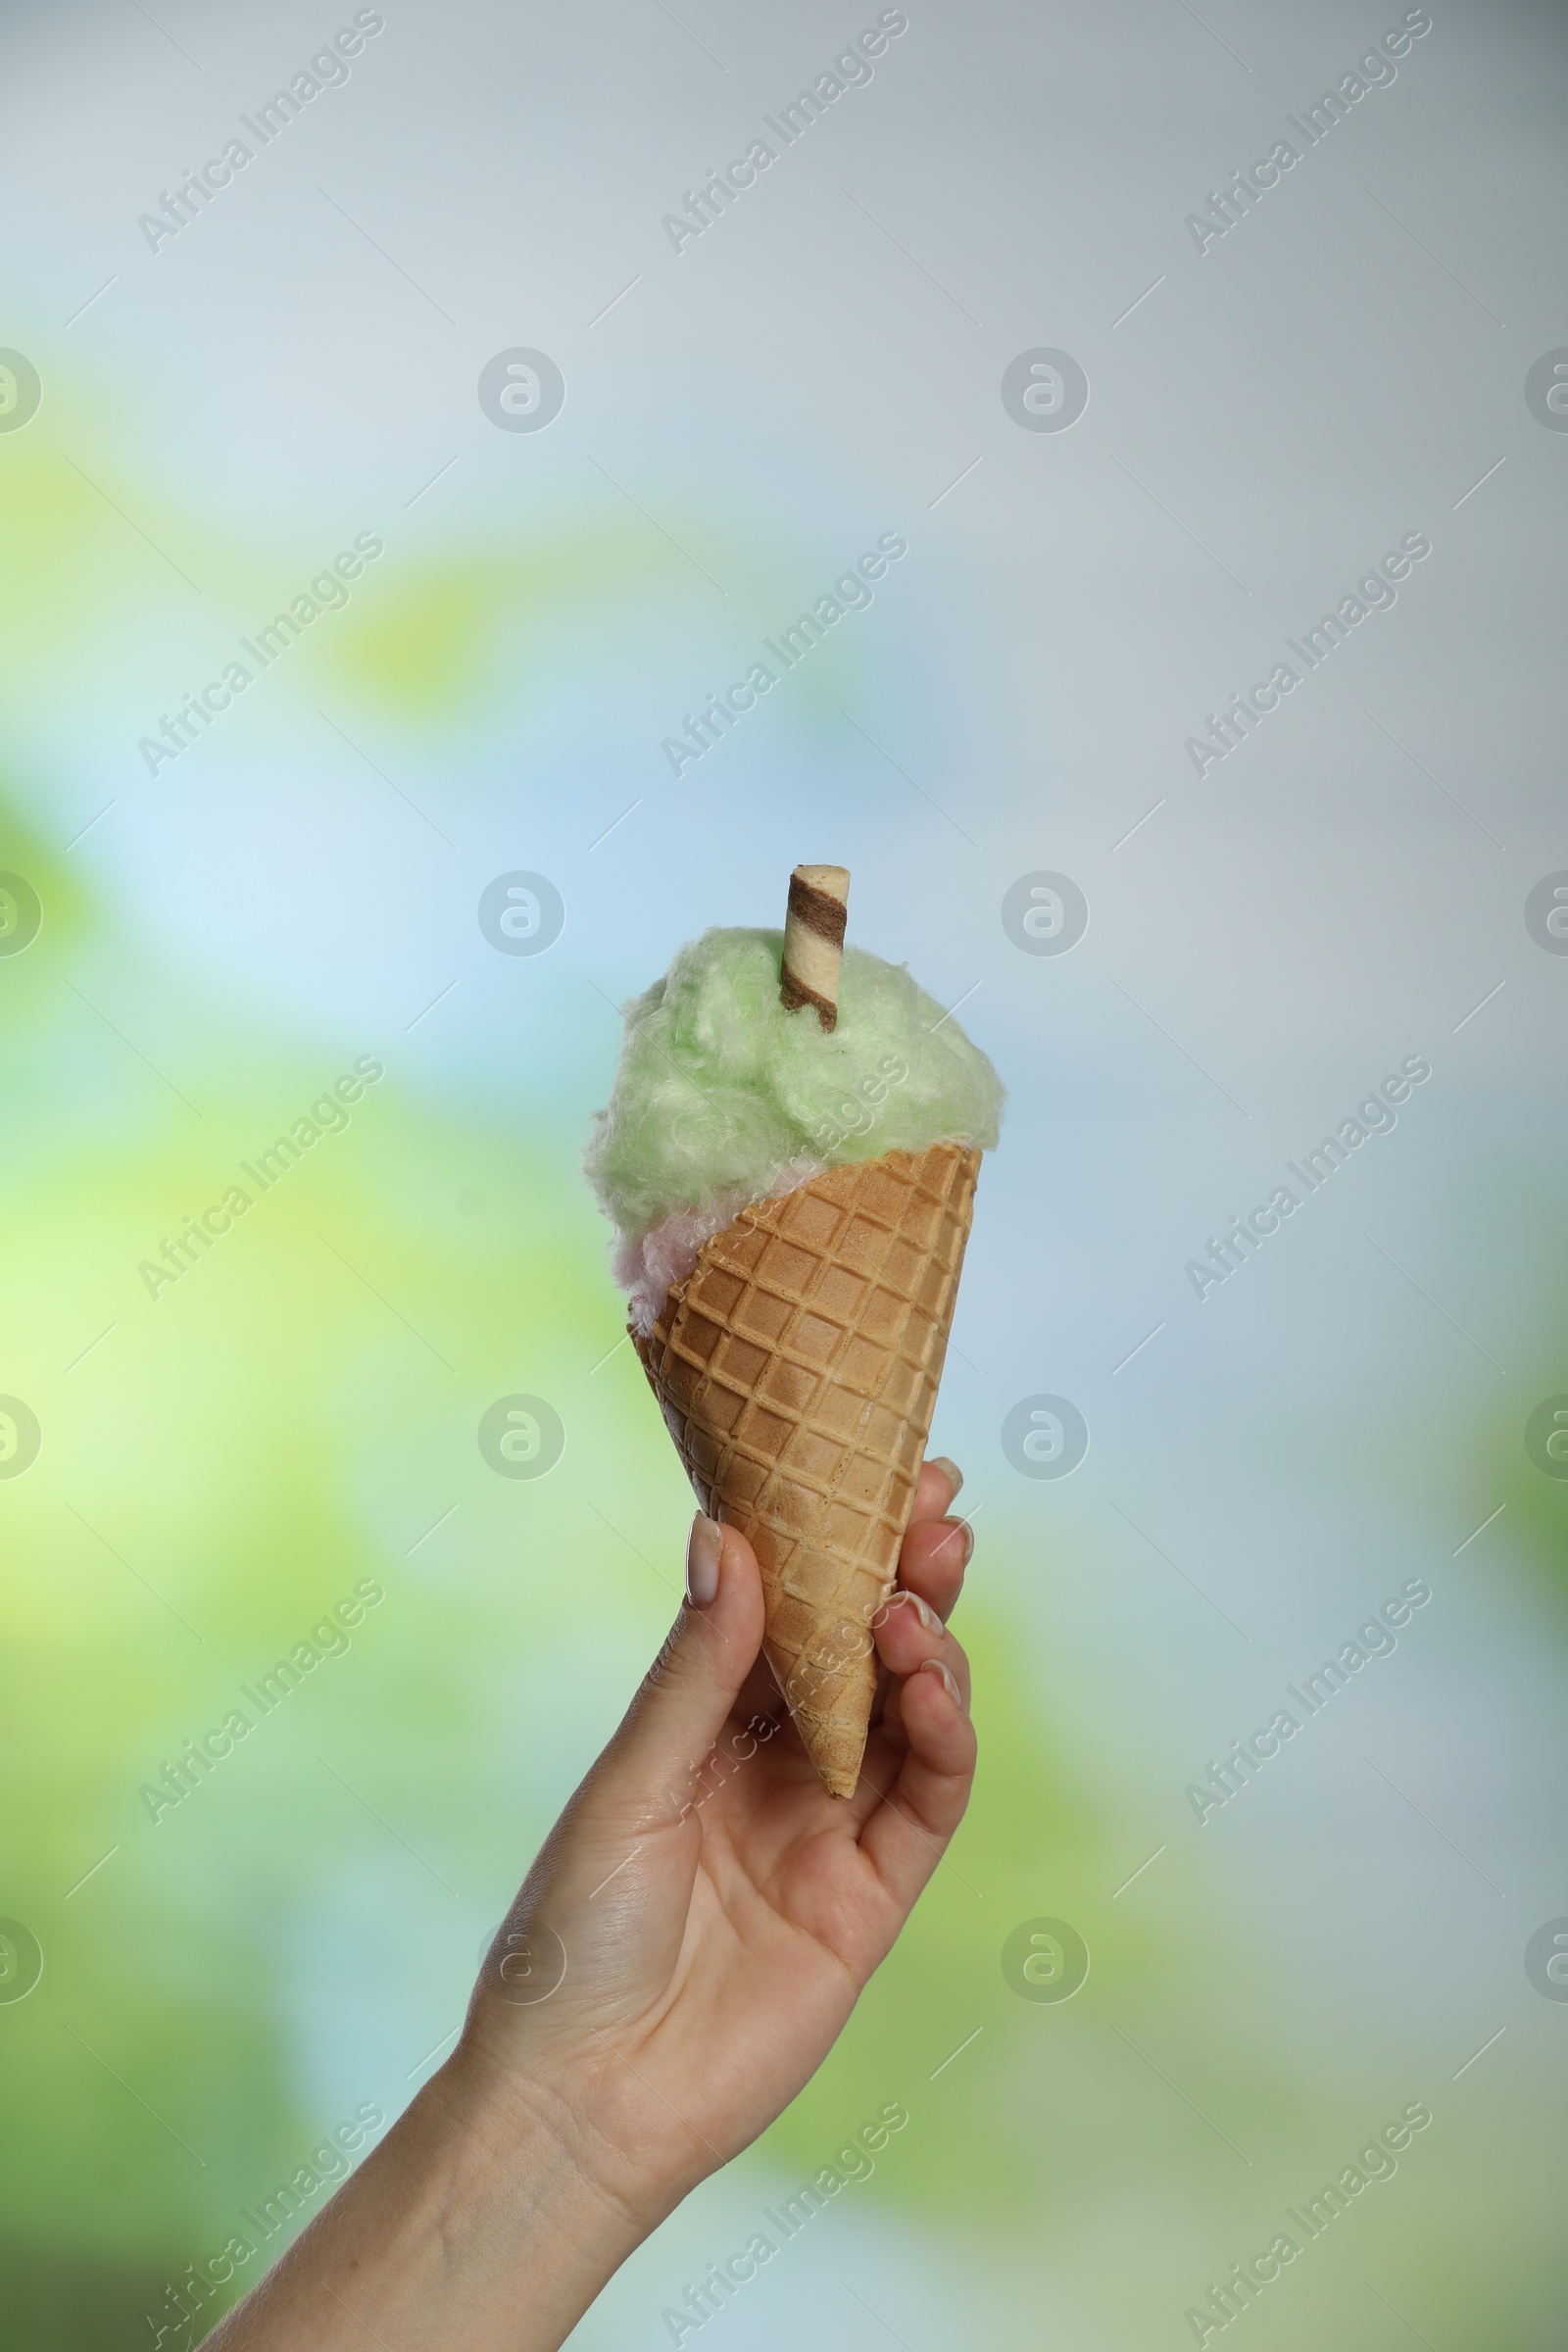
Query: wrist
[
  {"x": 622, "y": 2155},
  {"x": 473, "y": 2227},
  {"x": 518, "y": 2220}
]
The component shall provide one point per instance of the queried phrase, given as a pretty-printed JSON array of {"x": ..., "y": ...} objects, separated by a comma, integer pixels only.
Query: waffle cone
[{"x": 796, "y": 1370}]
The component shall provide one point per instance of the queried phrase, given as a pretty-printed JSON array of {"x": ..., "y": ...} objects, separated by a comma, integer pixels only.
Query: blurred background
[{"x": 463, "y": 301}]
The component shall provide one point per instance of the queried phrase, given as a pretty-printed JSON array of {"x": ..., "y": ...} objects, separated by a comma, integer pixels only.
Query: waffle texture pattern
[{"x": 796, "y": 1370}]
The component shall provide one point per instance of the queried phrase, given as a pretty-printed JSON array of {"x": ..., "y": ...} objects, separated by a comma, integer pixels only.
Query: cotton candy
[{"x": 722, "y": 1096}]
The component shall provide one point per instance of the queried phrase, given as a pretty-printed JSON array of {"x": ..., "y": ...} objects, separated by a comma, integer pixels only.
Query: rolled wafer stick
[{"x": 814, "y": 939}]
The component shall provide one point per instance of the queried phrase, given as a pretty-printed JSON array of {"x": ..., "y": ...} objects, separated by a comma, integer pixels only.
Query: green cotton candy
[{"x": 721, "y": 1090}]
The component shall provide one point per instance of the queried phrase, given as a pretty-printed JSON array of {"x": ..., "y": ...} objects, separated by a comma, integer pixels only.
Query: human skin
[{"x": 717, "y": 1914}]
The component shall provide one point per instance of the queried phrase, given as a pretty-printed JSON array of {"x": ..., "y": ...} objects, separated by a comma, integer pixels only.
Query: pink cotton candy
[{"x": 646, "y": 1267}]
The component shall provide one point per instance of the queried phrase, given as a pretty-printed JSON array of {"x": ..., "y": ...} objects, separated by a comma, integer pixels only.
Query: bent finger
[
  {"x": 936, "y": 1490},
  {"x": 935, "y": 1556},
  {"x": 907, "y": 1833},
  {"x": 909, "y": 1635}
]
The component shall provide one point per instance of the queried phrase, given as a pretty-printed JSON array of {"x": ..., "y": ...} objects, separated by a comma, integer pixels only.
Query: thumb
[{"x": 688, "y": 1693}]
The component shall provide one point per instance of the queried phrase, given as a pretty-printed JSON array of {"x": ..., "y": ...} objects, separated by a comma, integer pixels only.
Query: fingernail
[
  {"x": 923, "y": 1609},
  {"x": 703, "y": 1546},
  {"x": 950, "y": 1470},
  {"x": 959, "y": 1527},
  {"x": 935, "y": 1666}
]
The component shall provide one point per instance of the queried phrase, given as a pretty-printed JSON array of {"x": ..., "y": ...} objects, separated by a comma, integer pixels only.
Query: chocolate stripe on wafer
[{"x": 814, "y": 939}]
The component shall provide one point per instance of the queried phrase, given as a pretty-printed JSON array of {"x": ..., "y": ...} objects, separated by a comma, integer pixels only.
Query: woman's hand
[
  {"x": 714, "y": 1910},
  {"x": 679, "y": 1960}
]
